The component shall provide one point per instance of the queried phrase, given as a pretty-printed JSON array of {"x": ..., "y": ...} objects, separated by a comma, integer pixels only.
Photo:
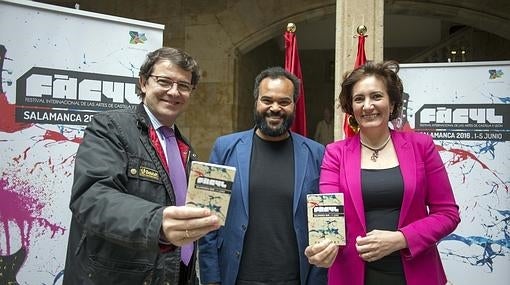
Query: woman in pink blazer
[{"x": 398, "y": 199}]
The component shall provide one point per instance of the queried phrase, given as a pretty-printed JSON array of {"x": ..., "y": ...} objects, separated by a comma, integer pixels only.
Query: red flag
[
  {"x": 293, "y": 65},
  {"x": 361, "y": 58}
]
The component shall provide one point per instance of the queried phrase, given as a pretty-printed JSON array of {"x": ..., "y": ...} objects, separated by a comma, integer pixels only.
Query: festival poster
[
  {"x": 59, "y": 67},
  {"x": 465, "y": 107}
]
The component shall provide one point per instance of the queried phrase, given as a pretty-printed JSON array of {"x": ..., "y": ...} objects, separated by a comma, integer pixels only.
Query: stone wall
[
  {"x": 233, "y": 40},
  {"x": 223, "y": 37}
]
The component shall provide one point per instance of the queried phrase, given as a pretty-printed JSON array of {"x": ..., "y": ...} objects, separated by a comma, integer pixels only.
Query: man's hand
[
  {"x": 183, "y": 225},
  {"x": 322, "y": 254}
]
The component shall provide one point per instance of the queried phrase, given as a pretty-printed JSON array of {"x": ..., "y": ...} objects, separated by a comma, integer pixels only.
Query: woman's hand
[
  {"x": 322, "y": 254},
  {"x": 378, "y": 244}
]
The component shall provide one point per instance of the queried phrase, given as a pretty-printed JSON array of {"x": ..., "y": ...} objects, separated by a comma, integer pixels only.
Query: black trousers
[{"x": 376, "y": 277}]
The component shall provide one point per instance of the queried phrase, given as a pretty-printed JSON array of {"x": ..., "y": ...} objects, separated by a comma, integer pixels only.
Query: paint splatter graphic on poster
[
  {"x": 466, "y": 109},
  {"x": 53, "y": 80},
  {"x": 32, "y": 198}
]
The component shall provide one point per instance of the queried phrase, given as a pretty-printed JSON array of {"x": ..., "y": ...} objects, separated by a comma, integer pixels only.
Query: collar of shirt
[{"x": 156, "y": 124}]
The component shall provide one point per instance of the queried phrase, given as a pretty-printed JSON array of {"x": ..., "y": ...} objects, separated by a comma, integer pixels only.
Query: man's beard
[{"x": 262, "y": 125}]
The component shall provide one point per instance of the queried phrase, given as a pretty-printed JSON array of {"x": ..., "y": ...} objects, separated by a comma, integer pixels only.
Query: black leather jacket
[{"x": 119, "y": 192}]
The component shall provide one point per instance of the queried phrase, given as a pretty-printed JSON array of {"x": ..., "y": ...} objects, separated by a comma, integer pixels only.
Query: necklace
[{"x": 375, "y": 150}]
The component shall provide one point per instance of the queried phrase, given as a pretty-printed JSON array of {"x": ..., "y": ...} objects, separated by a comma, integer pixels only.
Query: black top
[
  {"x": 383, "y": 190},
  {"x": 270, "y": 252}
]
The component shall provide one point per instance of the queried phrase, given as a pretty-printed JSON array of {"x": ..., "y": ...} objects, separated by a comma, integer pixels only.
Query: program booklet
[
  {"x": 209, "y": 186},
  {"x": 326, "y": 218}
]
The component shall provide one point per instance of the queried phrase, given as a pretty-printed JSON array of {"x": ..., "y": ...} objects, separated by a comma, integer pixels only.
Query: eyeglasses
[{"x": 167, "y": 83}]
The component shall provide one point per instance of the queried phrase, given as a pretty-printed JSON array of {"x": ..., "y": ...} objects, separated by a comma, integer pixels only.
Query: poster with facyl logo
[
  {"x": 465, "y": 107},
  {"x": 59, "y": 67}
]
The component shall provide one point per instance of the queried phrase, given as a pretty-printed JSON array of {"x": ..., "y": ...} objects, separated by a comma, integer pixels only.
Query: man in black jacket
[{"x": 128, "y": 225}]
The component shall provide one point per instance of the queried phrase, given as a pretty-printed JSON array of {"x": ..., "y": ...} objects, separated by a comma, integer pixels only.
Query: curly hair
[
  {"x": 386, "y": 72},
  {"x": 273, "y": 73}
]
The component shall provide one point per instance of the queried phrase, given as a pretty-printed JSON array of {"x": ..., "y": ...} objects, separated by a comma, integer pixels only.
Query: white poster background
[
  {"x": 37, "y": 160},
  {"x": 478, "y": 252}
]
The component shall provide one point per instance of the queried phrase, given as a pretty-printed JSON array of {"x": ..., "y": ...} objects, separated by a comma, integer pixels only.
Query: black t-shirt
[
  {"x": 383, "y": 191},
  {"x": 270, "y": 252}
]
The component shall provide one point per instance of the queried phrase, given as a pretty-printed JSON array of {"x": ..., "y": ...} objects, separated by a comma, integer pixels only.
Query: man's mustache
[{"x": 274, "y": 114}]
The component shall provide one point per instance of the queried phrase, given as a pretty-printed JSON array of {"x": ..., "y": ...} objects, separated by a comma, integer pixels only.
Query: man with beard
[{"x": 266, "y": 233}]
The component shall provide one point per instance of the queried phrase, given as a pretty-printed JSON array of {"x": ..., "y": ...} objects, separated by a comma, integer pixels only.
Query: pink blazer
[{"x": 428, "y": 212}]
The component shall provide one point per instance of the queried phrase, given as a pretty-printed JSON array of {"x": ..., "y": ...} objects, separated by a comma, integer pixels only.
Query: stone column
[{"x": 349, "y": 15}]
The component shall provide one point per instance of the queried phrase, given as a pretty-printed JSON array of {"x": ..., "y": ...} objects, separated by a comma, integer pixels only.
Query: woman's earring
[{"x": 353, "y": 124}]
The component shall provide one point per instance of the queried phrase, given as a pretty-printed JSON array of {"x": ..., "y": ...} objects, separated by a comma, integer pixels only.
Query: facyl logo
[
  {"x": 212, "y": 184},
  {"x": 328, "y": 211},
  {"x": 460, "y": 115},
  {"x": 76, "y": 90},
  {"x": 53, "y": 96},
  {"x": 463, "y": 116}
]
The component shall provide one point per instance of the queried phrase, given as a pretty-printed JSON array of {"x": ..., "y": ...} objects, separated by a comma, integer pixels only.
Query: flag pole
[
  {"x": 293, "y": 65},
  {"x": 362, "y": 29},
  {"x": 350, "y": 125},
  {"x": 361, "y": 57},
  {"x": 291, "y": 27}
]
